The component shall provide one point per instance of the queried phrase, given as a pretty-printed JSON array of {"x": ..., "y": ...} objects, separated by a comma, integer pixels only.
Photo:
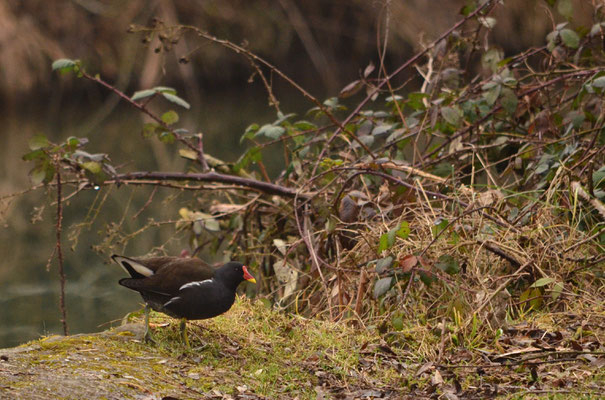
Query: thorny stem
[
  {"x": 266, "y": 187},
  {"x": 60, "y": 254},
  {"x": 402, "y": 67}
]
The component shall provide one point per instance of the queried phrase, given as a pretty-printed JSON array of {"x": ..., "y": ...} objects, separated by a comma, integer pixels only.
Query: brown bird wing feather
[{"x": 170, "y": 273}]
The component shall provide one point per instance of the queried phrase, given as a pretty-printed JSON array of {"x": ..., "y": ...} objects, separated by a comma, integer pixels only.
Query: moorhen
[{"x": 183, "y": 287}]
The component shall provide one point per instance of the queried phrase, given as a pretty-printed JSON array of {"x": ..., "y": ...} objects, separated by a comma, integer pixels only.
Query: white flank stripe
[
  {"x": 193, "y": 284},
  {"x": 172, "y": 300}
]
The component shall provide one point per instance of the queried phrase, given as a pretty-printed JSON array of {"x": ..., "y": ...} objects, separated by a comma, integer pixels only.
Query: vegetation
[
  {"x": 456, "y": 212},
  {"x": 254, "y": 352}
]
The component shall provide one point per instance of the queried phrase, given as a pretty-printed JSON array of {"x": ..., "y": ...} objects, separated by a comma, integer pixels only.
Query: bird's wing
[
  {"x": 204, "y": 291},
  {"x": 136, "y": 268},
  {"x": 142, "y": 286}
]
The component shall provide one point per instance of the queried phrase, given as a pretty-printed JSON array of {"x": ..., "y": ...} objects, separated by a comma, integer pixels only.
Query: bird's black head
[{"x": 233, "y": 273}]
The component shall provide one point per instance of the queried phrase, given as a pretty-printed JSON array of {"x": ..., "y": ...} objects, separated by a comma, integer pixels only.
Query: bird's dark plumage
[{"x": 184, "y": 287}]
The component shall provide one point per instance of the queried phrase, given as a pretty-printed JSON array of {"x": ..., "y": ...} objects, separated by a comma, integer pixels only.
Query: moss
[{"x": 249, "y": 350}]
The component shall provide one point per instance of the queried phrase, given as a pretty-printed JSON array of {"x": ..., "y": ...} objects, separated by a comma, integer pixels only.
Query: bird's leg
[
  {"x": 147, "y": 337},
  {"x": 183, "y": 328}
]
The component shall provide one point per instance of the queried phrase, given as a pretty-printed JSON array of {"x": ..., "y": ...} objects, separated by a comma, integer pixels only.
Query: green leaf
[
  {"x": 542, "y": 282},
  {"x": 167, "y": 137},
  {"x": 92, "y": 166},
  {"x": 397, "y": 322},
  {"x": 37, "y": 175},
  {"x": 35, "y": 155},
  {"x": 509, "y": 101},
  {"x": 599, "y": 82},
  {"x": 404, "y": 230},
  {"x": 383, "y": 264},
  {"x": 598, "y": 177},
  {"x": 381, "y": 130},
  {"x": 443, "y": 169},
  {"x": 491, "y": 58},
  {"x": 451, "y": 115},
  {"x": 384, "y": 243},
  {"x": 44, "y": 172},
  {"x": 382, "y": 286},
  {"x": 304, "y": 125},
  {"x": 208, "y": 222},
  {"x": 565, "y": 8},
  {"x": 448, "y": 264},
  {"x": 253, "y": 154},
  {"x": 596, "y": 29},
  {"x": 391, "y": 237},
  {"x": 427, "y": 279},
  {"x": 176, "y": 100},
  {"x": 415, "y": 100},
  {"x": 556, "y": 290},
  {"x": 64, "y": 65},
  {"x": 164, "y": 89},
  {"x": 332, "y": 102},
  {"x": 576, "y": 118},
  {"x": 281, "y": 118},
  {"x": 439, "y": 226},
  {"x": 141, "y": 94},
  {"x": 467, "y": 9},
  {"x": 170, "y": 117},
  {"x": 536, "y": 298},
  {"x": 188, "y": 154},
  {"x": 492, "y": 94},
  {"x": 197, "y": 228},
  {"x": 38, "y": 142},
  {"x": 72, "y": 143},
  {"x": 150, "y": 129},
  {"x": 570, "y": 38},
  {"x": 249, "y": 132},
  {"x": 271, "y": 131}
]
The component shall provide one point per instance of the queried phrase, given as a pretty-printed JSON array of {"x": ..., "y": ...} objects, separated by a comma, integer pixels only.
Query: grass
[{"x": 260, "y": 353}]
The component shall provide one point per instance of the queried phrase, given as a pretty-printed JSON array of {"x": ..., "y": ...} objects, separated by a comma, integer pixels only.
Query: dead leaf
[
  {"x": 368, "y": 70},
  {"x": 408, "y": 262},
  {"x": 350, "y": 89},
  {"x": 437, "y": 379}
]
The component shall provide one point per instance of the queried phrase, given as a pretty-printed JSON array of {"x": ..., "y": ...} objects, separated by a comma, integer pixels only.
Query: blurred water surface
[{"x": 29, "y": 294}]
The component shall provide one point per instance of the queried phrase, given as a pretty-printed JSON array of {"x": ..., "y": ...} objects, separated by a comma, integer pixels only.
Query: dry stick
[
  {"x": 308, "y": 239},
  {"x": 498, "y": 290},
  {"x": 60, "y": 254},
  {"x": 255, "y": 58},
  {"x": 200, "y": 154},
  {"x": 499, "y": 252},
  {"x": 600, "y": 207},
  {"x": 363, "y": 280},
  {"x": 143, "y": 109},
  {"x": 437, "y": 195},
  {"x": 497, "y": 108},
  {"x": 442, "y": 343},
  {"x": 147, "y": 203},
  {"x": 266, "y": 187},
  {"x": 588, "y": 239},
  {"x": 409, "y": 62},
  {"x": 509, "y": 364}
]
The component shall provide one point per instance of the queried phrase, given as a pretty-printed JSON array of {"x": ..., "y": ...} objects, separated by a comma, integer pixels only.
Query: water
[{"x": 29, "y": 294}]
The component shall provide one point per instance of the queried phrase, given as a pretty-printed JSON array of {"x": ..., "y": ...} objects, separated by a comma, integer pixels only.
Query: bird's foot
[{"x": 148, "y": 337}]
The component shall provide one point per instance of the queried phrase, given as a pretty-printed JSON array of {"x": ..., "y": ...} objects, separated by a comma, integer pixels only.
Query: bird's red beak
[{"x": 247, "y": 275}]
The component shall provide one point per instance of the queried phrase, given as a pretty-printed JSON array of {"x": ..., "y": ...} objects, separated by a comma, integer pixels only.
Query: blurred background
[{"x": 322, "y": 45}]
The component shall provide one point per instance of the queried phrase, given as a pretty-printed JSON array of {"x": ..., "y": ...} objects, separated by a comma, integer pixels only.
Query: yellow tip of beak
[{"x": 251, "y": 280}]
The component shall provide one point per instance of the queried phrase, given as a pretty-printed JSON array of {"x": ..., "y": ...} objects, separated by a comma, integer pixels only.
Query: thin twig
[{"x": 58, "y": 229}]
